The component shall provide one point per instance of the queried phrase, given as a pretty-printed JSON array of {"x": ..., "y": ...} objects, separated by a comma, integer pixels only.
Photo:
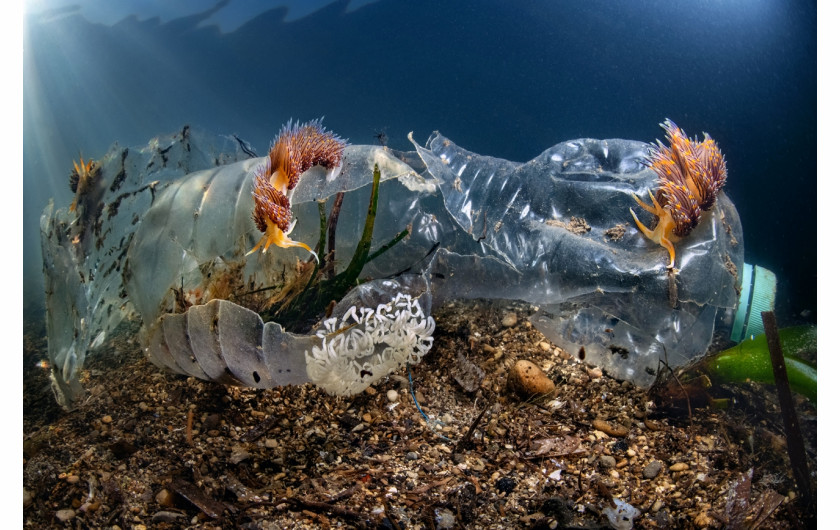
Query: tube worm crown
[
  {"x": 297, "y": 148},
  {"x": 691, "y": 173}
]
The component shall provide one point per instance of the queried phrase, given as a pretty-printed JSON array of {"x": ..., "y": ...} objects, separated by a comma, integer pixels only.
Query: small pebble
[
  {"x": 608, "y": 428},
  {"x": 607, "y": 462},
  {"x": 544, "y": 345},
  {"x": 652, "y": 470},
  {"x": 411, "y": 455},
  {"x": 679, "y": 466},
  {"x": 165, "y": 498},
  {"x": 509, "y": 320},
  {"x": 65, "y": 515},
  {"x": 107, "y": 419},
  {"x": 27, "y": 497},
  {"x": 505, "y": 484},
  {"x": 621, "y": 445},
  {"x": 271, "y": 443},
  {"x": 166, "y": 517},
  {"x": 527, "y": 380},
  {"x": 72, "y": 479},
  {"x": 393, "y": 395}
]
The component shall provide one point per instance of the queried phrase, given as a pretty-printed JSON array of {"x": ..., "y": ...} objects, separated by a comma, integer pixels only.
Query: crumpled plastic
[{"x": 554, "y": 231}]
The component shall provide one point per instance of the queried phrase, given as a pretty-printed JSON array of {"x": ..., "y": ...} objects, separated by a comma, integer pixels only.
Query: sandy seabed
[{"x": 149, "y": 449}]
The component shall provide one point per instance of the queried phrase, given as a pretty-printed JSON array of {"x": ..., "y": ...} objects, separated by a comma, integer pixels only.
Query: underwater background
[{"x": 506, "y": 79}]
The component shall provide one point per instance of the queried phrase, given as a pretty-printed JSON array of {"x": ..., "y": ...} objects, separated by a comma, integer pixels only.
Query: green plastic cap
[{"x": 758, "y": 293}]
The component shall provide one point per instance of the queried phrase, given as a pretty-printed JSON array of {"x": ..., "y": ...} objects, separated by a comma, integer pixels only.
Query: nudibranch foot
[
  {"x": 657, "y": 235},
  {"x": 274, "y": 236}
]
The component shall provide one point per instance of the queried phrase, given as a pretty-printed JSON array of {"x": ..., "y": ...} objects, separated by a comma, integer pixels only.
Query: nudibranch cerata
[
  {"x": 81, "y": 179},
  {"x": 691, "y": 174},
  {"x": 297, "y": 148}
]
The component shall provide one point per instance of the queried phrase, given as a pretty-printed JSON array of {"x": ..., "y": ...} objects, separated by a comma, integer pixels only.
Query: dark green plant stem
[
  {"x": 347, "y": 279},
  {"x": 322, "y": 214},
  {"x": 795, "y": 443},
  {"x": 384, "y": 248},
  {"x": 331, "y": 225}
]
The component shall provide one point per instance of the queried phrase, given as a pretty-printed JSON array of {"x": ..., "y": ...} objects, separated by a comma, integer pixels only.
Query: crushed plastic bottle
[{"x": 168, "y": 233}]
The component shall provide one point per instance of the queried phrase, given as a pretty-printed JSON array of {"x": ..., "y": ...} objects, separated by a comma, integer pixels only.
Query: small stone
[
  {"x": 65, "y": 515},
  {"x": 239, "y": 454},
  {"x": 107, "y": 419},
  {"x": 506, "y": 484},
  {"x": 544, "y": 345},
  {"x": 652, "y": 470},
  {"x": 411, "y": 455},
  {"x": 679, "y": 466},
  {"x": 509, "y": 320},
  {"x": 27, "y": 497},
  {"x": 271, "y": 443},
  {"x": 606, "y": 427},
  {"x": 166, "y": 517},
  {"x": 607, "y": 462},
  {"x": 72, "y": 479},
  {"x": 367, "y": 417},
  {"x": 91, "y": 506},
  {"x": 165, "y": 497},
  {"x": 527, "y": 380},
  {"x": 393, "y": 395},
  {"x": 370, "y": 391}
]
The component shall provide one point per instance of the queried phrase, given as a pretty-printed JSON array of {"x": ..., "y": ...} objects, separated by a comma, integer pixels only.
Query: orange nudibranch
[
  {"x": 691, "y": 174},
  {"x": 296, "y": 149},
  {"x": 80, "y": 179}
]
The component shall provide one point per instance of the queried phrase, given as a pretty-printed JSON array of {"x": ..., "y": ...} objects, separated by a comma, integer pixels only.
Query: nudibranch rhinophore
[
  {"x": 297, "y": 148},
  {"x": 691, "y": 174}
]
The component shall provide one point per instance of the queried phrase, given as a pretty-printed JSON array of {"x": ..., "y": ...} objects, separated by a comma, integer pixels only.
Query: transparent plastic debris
[
  {"x": 555, "y": 231},
  {"x": 84, "y": 250}
]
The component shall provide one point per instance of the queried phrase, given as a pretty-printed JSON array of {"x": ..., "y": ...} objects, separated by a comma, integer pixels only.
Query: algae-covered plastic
[{"x": 170, "y": 246}]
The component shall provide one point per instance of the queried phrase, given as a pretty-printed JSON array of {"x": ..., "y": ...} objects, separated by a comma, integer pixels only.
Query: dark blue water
[{"x": 508, "y": 79}]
